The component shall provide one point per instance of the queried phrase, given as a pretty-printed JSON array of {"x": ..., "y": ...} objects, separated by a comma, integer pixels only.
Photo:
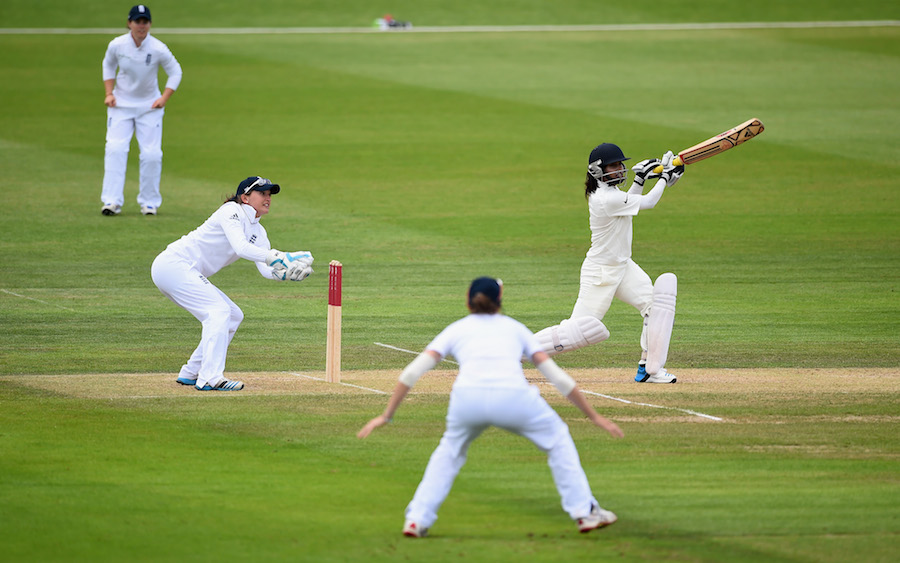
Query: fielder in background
[
  {"x": 491, "y": 390},
  {"x": 181, "y": 271},
  {"x": 608, "y": 270},
  {"x": 134, "y": 107}
]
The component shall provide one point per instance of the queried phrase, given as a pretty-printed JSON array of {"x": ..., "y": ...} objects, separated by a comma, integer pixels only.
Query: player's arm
[
  {"x": 652, "y": 197},
  {"x": 416, "y": 369},
  {"x": 566, "y": 385},
  {"x": 161, "y": 101},
  {"x": 109, "y": 85},
  {"x": 234, "y": 232},
  {"x": 173, "y": 76},
  {"x": 109, "y": 65},
  {"x": 643, "y": 171}
]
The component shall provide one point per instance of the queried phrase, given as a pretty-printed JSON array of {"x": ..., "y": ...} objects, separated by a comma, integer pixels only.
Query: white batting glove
[
  {"x": 298, "y": 271},
  {"x": 671, "y": 173},
  {"x": 643, "y": 170}
]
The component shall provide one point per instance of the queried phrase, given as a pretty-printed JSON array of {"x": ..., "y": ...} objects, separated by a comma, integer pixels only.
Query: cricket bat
[{"x": 718, "y": 144}]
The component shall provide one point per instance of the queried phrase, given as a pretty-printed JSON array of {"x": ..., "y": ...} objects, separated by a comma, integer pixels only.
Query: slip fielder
[{"x": 491, "y": 390}]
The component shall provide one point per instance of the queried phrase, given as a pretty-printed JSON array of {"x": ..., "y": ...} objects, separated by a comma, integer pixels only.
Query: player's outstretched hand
[
  {"x": 376, "y": 422},
  {"x": 609, "y": 426},
  {"x": 643, "y": 170}
]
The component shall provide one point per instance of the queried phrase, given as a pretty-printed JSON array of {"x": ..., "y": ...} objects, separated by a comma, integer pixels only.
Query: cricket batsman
[{"x": 608, "y": 270}]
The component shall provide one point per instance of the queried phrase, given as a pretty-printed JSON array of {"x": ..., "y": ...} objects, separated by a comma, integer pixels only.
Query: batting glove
[
  {"x": 643, "y": 170},
  {"x": 671, "y": 173}
]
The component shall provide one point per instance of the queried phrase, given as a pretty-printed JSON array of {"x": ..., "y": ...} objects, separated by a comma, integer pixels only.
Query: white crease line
[
  {"x": 610, "y": 397},
  {"x": 33, "y": 299},
  {"x": 404, "y": 350},
  {"x": 453, "y": 29},
  {"x": 379, "y": 391}
]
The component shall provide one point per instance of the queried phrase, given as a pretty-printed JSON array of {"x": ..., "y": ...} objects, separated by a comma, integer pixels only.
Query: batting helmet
[{"x": 606, "y": 153}]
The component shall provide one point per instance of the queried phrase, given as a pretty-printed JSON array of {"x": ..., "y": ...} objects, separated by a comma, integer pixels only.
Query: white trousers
[
  {"x": 219, "y": 317},
  {"x": 600, "y": 283},
  {"x": 146, "y": 125},
  {"x": 520, "y": 411}
]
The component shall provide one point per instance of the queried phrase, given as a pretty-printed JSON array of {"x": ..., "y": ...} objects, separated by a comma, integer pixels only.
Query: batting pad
[
  {"x": 572, "y": 334},
  {"x": 662, "y": 319}
]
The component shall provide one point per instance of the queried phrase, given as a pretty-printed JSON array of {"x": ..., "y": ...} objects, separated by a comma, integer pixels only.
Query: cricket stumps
[{"x": 333, "y": 330}]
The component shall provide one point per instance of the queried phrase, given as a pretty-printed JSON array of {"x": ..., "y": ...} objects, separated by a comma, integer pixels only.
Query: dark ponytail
[{"x": 590, "y": 185}]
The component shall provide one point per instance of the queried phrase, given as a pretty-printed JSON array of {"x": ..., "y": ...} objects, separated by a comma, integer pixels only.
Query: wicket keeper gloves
[
  {"x": 294, "y": 266},
  {"x": 643, "y": 170},
  {"x": 298, "y": 271},
  {"x": 276, "y": 259},
  {"x": 302, "y": 256},
  {"x": 671, "y": 173}
]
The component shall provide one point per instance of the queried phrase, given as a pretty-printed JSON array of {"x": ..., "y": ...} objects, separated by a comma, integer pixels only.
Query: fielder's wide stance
[
  {"x": 491, "y": 390},
  {"x": 608, "y": 270},
  {"x": 182, "y": 270}
]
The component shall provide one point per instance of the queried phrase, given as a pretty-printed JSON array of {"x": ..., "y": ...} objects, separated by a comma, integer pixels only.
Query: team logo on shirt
[
  {"x": 252, "y": 239},
  {"x": 147, "y": 62}
]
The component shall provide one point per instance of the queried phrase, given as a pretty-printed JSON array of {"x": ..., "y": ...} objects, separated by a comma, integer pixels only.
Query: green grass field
[{"x": 422, "y": 160}]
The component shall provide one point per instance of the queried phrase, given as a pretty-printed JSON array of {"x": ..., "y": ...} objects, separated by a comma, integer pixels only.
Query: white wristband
[
  {"x": 555, "y": 375},
  {"x": 417, "y": 369}
]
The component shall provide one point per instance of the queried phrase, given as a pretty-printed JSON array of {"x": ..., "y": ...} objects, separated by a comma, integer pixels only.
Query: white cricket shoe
[
  {"x": 412, "y": 530},
  {"x": 111, "y": 209},
  {"x": 148, "y": 210},
  {"x": 662, "y": 376},
  {"x": 224, "y": 385},
  {"x": 598, "y": 518}
]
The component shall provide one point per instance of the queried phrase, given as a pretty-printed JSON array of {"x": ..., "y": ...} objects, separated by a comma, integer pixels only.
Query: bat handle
[{"x": 675, "y": 162}]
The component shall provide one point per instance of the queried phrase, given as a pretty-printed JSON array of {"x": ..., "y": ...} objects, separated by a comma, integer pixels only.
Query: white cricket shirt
[
  {"x": 489, "y": 349},
  {"x": 136, "y": 82},
  {"x": 611, "y": 211},
  {"x": 232, "y": 232}
]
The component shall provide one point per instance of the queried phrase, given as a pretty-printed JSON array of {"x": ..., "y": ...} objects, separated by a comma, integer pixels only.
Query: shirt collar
[{"x": 250, "y": 211}]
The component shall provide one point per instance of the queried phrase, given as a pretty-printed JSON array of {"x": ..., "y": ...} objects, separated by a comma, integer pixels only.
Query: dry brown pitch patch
[{"x": 693, "y": 390}]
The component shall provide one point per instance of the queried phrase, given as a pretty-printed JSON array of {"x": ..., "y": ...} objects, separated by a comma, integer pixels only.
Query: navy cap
[
  {"x": 490, "y": 287},
  {"x": 607, "y": 153},
  {"x": 257, "y": 183},
  {"x": 139, "y": 11}
]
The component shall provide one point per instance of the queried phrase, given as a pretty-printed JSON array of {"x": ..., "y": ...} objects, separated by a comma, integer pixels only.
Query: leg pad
[{"x": 572, "y": 334}]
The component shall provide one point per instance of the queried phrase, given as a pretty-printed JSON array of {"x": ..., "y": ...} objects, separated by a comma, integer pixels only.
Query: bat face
[{"x": 722, "y": 142}]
